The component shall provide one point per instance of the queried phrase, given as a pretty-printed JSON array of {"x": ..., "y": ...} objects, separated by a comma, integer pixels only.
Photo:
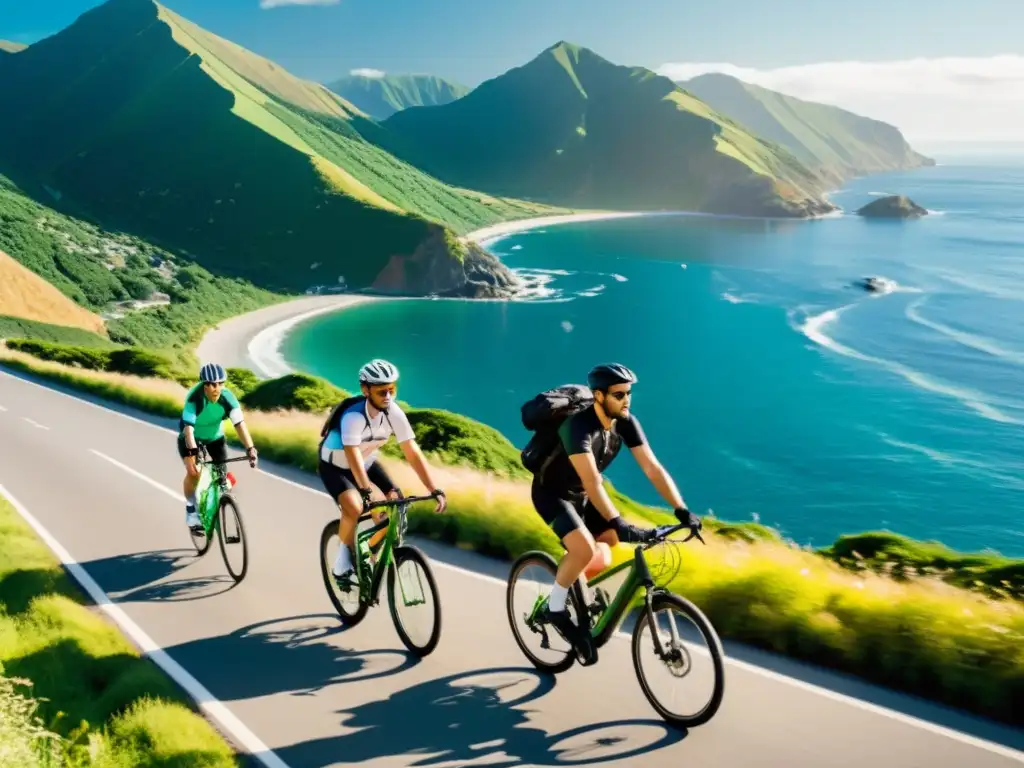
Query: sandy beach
[
  {"x": 253, "y": 340},
  {"x": 503, "y": 229}
]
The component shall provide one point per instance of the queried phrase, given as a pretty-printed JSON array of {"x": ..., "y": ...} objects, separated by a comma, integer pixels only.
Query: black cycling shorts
[
  {"x": 565, "y": 516},
  {"x": 218, "y": 449},
  {"x": 337, "y": 480}
]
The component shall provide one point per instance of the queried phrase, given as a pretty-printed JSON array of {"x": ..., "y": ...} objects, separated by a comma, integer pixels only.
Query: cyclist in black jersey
[{"x": 571, "y": 498}]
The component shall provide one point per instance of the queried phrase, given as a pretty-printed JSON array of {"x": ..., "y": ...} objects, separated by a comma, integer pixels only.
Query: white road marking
[
  {"x": 206, "y": 700},
  {"x": 827, "y": 693},
  {"x": 34, "y": 423},
  {"x": 876, "y": 709}
]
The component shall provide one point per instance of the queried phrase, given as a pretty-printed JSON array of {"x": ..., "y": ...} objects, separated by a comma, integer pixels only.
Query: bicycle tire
[
  {"x": 544, "y": 560},
  {"x": 202, "y": 543},
  {"x": 349, "y": 619},
  {"x": 401, "y": 554},
  {"x": 660, "y": 600},
  {"x": 226, "y": 501}
]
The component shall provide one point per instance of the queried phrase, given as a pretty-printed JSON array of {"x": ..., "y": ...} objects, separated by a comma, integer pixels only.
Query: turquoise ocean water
[{"x": 769, "y": 387}]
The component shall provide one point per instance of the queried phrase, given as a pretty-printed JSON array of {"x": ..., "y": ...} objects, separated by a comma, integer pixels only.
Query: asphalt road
[{"x": 273, "y": 654}]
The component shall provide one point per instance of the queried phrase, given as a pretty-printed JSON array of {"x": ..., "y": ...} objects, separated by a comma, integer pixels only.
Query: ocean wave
[
  {"x": 979, "y": 343},
  {"x": 974, "y": 467},
  {"x": 733, "y": 299},
  {"x": 813, "y": 327},
  {"x": 516, "y": 248},
  {"x": 996, "y": 291}
]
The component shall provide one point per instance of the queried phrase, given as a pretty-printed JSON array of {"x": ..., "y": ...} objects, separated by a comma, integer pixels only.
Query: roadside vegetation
[
  {"x": 73, "y": 691},
  {"x": 943, "y": 625}
]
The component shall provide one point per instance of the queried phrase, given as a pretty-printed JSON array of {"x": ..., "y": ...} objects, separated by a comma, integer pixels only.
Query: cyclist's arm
[
  {"x": 577, "y": 439},
  {"x": 351, "y": 429},
  {"x": 586, "y": 468},
  {"x": 188, "y": 418},
  {"x": 633, "y": 436},
  {"x": 234, "y": 413},
  {"x": 407, "y": 440}
]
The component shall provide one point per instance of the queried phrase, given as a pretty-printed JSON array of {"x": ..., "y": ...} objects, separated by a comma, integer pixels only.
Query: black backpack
[
  {"x": 334, "y": 420},
  {"x": 543, "y": 415}
]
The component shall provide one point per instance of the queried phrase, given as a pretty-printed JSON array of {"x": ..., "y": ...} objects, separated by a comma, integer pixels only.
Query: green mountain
[
  {"x": 831, "y": 141},
  {"x": 6, "y": 46},
  {"x": 571, "y": 128},
  {"x": 172, "y": 134},
  {"x": 381, "y": 97}
]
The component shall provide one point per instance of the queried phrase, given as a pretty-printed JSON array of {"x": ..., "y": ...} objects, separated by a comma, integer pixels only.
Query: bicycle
[
  {"x": 604, "y": 618},
  {"x": 214, "y": 498},
  {"x": 391, "y": 554}
]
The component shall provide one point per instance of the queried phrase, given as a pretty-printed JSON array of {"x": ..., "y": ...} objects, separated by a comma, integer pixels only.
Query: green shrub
[
  {"x": 458, "y": 440},
  {"x": 295, "y": 391},
  {"x": 241, "y": 381},
  {"x": 92, "y": 358}
]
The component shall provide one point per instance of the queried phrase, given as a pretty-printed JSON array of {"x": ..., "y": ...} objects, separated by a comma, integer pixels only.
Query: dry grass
[{"x": 26, "y": 295}]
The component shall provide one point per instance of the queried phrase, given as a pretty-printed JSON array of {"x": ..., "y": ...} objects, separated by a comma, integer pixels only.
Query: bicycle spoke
[{"x": 685, "y": 683}]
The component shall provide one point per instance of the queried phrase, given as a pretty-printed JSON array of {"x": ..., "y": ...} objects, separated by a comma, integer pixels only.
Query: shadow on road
[
  {"x": 480, "y": 715},
  {"x": 123, "y": 573},
  {"x": 296, "y": 654}
]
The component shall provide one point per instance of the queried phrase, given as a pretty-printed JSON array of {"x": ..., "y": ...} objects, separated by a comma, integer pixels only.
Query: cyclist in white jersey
[{"x": 355, "y": 431}]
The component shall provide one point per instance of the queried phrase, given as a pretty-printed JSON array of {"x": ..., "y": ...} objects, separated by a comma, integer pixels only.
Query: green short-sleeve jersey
[{"x": 206, "y": 417}]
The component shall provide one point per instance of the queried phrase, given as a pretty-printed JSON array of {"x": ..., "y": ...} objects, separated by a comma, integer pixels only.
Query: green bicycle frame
[
  {"x": 208, "y": 493},
  {"x": 370, "y": 578},
  {"x": 637, "y": 578}
]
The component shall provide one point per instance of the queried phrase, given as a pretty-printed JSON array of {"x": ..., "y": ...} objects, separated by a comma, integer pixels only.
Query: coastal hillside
[
  {"x": 25, "y": 295},
  {"x": 6, "y": 46},
  {"x": 380, "y": 97},
  {"x": 186, "y": 140},
  {"x": 833, "y": 142},
  {"x": 571, "y": 128}
]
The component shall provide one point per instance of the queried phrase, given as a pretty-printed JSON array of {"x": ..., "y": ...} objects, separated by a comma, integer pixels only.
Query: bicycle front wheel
[
  {"x": 412, "y": 588},
  {"x": 693, "y": 661},
  {"x": 231, "y": 533}
]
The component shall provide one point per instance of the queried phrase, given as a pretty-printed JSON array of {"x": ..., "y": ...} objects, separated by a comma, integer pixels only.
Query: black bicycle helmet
[{"x": 608, "y": 374}]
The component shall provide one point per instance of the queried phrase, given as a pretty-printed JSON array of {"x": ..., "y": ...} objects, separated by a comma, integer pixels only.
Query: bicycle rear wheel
[
  {"x": 529, "y": 581},
  {"x": 416, "y": 588},
  {"x": 231, "y": 531},
  {"x": 681, "y": 645},
  {"x": 348, "y": 604}
]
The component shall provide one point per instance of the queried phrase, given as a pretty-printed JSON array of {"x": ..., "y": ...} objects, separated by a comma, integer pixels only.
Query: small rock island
[{"x": 892, "y": 207}]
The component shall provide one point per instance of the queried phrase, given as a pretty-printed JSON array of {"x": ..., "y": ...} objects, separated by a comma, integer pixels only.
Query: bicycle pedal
[
  {"x": 232, "y": 539},
  {"x": 583, "y": 659}
]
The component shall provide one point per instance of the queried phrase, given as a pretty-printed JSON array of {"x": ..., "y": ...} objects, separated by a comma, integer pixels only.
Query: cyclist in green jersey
[{"x": 207, "y": 405}]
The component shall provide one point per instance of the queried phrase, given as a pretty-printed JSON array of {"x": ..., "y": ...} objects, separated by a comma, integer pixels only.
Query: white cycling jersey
[{"x": 357, "y": 429}]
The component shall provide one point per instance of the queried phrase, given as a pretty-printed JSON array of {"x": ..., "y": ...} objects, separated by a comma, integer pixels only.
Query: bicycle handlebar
[
  {"x": 226, "y": 461},
  {"x": 367, "y": 507},
  {"x": 664, "y": 531}
]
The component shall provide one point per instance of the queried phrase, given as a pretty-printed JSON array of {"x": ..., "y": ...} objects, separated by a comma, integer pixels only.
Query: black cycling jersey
[{"x": 583, "y": 433}]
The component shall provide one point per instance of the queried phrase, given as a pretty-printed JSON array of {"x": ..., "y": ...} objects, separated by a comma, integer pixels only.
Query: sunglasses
[
  {"x": 620, "y": 395},
  {"x": 387, "y": 390}
]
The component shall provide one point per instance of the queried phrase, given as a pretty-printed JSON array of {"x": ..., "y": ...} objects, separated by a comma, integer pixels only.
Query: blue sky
[
  {"x": 472, "y": 40},
  {"x": 903, "y": 61}
]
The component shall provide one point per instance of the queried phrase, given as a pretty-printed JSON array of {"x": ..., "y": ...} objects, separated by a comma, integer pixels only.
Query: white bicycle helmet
[{"x": 378, "y": 372}]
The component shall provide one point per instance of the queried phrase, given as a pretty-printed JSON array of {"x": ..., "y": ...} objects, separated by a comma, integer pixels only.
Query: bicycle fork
[{"x": 643, "y": 573}]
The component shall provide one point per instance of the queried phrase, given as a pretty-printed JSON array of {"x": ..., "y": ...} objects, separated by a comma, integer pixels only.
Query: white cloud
[
  {"x": 366, "y": 72},
  {"x": 943, "y": 99},
  {"x": 267, "y": 4}
]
